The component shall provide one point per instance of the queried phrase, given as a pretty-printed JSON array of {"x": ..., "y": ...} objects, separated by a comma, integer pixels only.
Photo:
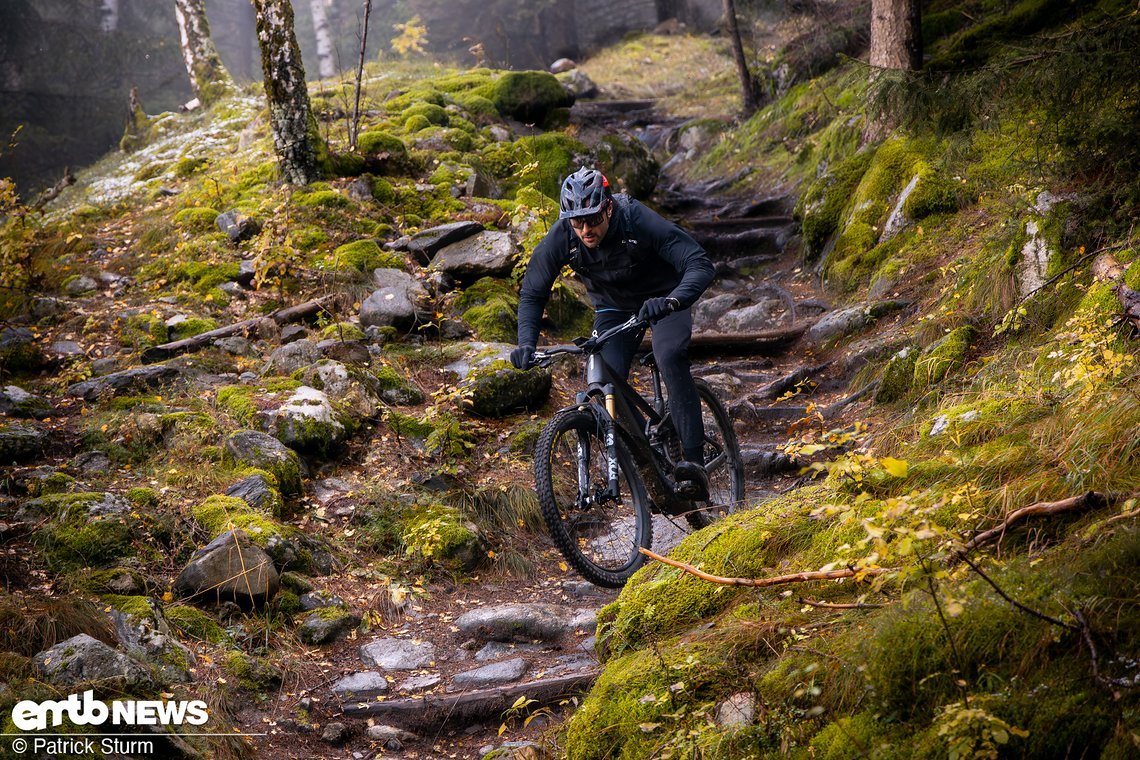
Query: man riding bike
[{"x": 632, "y": 261}]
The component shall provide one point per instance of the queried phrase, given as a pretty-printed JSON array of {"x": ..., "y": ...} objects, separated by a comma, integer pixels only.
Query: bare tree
[
  {"x": 747, "y": 85},
  {"x": 354, "y": 125},
  {"x": 896, "y": 34},
  {"x": 208, "y": 76},
  {"x": 319, "y": 9},
  {"x": 295, "y": 133}
]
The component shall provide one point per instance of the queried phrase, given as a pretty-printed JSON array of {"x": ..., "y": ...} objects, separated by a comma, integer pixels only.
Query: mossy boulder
[
  {"x": 143, "y": 631},
  {"x": 253, "y": 448},
  {"x": 378, "y": 141},
  {"x": 232, "y": 567},
  {"x": 569, "y": 310},
  {"x": 195, "y": 624},
  {"x": 440, "y": 534},
  {"x": 528, "y": 96},
  {"x": 352, "y": 388},
  {"x": 432, "y": 113},
  {"x": 142, "y": 331},
  {"x": 20, "y": 443},
  {"x": 499, "y": 389},
  {"x": 88, "y": 529},
  {"x": 322, "y": 199},
  {"x": 326, "y": 625},
  {"x": 196, "y": 219},
  {"x": 19, "y": 351},
  {"x": 188, "y": 328},
  {"x": 943, "y": 356},
  {"x": 253, "y": 674},
  {"x": 898, "y": 376},
  {"x": 309, "y": 421},
  {"x": 821, "y": 206},
  {"x": 628, "y": 164}
]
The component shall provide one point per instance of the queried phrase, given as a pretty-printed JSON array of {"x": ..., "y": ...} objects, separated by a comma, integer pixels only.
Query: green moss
[
  {"x": 286, "y": 469},
  {"x": 251, "y": 673},
  {"x": 135, "y": 606},
  {"x": 104, "y": 582},
  {"x": 898, "y": 376},
  {"x": 343, "y": 331},
  {"x": 364, "y": 256},
  {"x": 943, "y": 356},
  {"x": 238, "y": 402},
  {"x": 77, "y": 539},
  {"x": 430, "y": 111},
  {"x": 440, "y": 534},
  {"x": 196, "y": 219},
  {"x": 529, "y": 96},
  {"x": 308, "y": 238},
  {"x": 322, "y": 199},
  {"x": 143, "y": 497},
  {"x": 57, "y": 482},
  {"x": 376, "y": 141},
  {"x": 478, "y": 107},
  {"x": 422, "y": 93},
  {"x": 490, "y": 307},
  {"x": 1099, "y": 303},
  {"x": 142, "y": 330},
  {"x": 287, "y": 603},
  {"x": 820, "y": 207},
  {"x": 187, "y": 166},
  {"x": 416, "y": 123},
  {"x": 935, "y": 193},
  {"x": 194, "y": 623},
  {"x": 555, "y": 155},
  {"x": 188, "y": 328},
  {"x": 217, "y": 514}
]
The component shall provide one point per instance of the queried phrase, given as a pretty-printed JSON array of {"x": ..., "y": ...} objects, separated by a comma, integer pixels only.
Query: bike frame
[{"x": 615, "y": 404}]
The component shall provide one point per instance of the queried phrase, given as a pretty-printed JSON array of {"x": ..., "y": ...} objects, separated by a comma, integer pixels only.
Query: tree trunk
[
  {"x": 295, "y": 134},
  {"x": 208, "y": 77},
  {"x": 354, "y": 123},
  {"x": 110, "y": 20},
  {"x": 896, "y": 34},
  {"x": 747, "y": 86},
  {"x": 326, "y": 66}
]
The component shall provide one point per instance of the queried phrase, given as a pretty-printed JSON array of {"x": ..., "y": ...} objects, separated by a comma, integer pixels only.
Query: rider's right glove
[
  {"x": 655, "y": 309},
  {"x": 522, "y": 356}
]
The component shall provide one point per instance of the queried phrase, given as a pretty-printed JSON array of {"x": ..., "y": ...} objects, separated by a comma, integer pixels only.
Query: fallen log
[
  {"x": 765, "y": 341},
  {"x": 284, "y": 316},
  {"x": 465, "y": 708}
]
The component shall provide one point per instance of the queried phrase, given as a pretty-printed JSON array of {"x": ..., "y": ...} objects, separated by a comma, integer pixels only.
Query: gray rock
[
  {"x": 236, "y": 345},
  {"x": 497, "y": 650},
  {"x": 126, "y": 381},
  {"x": 397, "y": 302},
  {"x": 65, "y": 349},
  {"x": 17, "y": 402},
  {"x": 359, "y": 190},
  {"x": 231, "y": 567},
  {"x": 391, "y": 738},
  {"x": 397, "y": 654},
  {"x": 707, "y": 311},
  {"x": 293, "y": 356},
  {"x": 265, "y": 452},
  {"x": 494, "y": 674},
  {"x": 347, "y": 351},
  {"x": 237, "y": 226},
  {"x": 334, "y": 733},
  {"x": 752, "y": 318},
  {"x": 578, "y": 84},
  {"x": 357, "y": 390},
  {"x": 416, "y": 684},
  {"x": 572, "y": 663},
  {"x": 83, "y": 659},
  {"x": 499, "y": 133},
  {"x": 584, "y": 590},
  {"x": 20, "y": 443},
  {"x": 736, "y": 711},
  {"x": 562, "y": 65},
  {"x": 488, "y": 254},
  {"x": 499, "y": 392},
  {"x": 290, "y": 333},
  {"x": 46, "y": 307},
  {"x": 92, "y": 463},
  {"x": 95, "y": 505},
  {"x": 364, "y": 686},
  {"x": 315, "y": 600},
  {"x": 852, "y": 319},
  {"x": 524, "y": 622},
  {"x": 148, "y": 638},
  {"x": 307, "y": 421},
  {"x": 326, "y": 625},
  {"x": 256, "y": 491},
  {"x": 426, "y": 243},
  {"x": 80, "y": 285}
]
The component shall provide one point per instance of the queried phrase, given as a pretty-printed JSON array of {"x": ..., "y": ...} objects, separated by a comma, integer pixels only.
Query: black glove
[
  {"x": 657, "y": 308},
  {"x": 522, "y": 356}
]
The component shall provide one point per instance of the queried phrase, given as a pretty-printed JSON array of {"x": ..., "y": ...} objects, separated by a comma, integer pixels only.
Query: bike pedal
[{"x": 692, "y": 490}]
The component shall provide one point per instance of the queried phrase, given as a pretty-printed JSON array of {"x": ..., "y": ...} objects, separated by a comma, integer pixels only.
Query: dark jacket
[{"x": 642, "y": 256}]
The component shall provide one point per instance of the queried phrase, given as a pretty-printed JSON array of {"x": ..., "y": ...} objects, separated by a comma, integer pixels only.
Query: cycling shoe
[{"x": 692, "y": 481}]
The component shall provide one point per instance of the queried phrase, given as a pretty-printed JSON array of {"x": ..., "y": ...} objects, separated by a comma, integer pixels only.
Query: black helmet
[{"x": 584, "y": 192}]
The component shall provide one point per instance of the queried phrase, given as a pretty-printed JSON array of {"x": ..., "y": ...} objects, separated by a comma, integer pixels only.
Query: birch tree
[
  {"x": 295, "y": 134},
  {"x": 208, "y": 76},
  {"x": 896, "y": 35},
  {"x": 326, "y": 65}
]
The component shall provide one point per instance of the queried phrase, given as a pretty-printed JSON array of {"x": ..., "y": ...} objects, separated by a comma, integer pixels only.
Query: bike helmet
[{"x": 584, "y": 192}]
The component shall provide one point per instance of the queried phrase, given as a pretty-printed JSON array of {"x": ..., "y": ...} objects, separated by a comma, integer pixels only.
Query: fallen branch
[
  {"x": 1082, "y": 503},
  {"x": 766, "y": 341},
  {"x": 282, "y": 316},
  {"x": 53, "y": 192},
  {"x": 811, "y": 575},
  {"x": 839, "y": 606}
]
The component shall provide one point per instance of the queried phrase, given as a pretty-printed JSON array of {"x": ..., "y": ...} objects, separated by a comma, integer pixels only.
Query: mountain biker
[{"x": 632, "y": 261}]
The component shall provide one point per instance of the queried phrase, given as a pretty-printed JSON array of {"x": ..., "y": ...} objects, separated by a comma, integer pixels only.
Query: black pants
[{"x": 671, "y": 351}]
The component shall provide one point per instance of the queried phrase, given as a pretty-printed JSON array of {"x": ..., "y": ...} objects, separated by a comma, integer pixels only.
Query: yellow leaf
[
  {"x": 896, "y": 467},
  {"x": 520, "y": 702},
  {"x": 563, "y": 567}
]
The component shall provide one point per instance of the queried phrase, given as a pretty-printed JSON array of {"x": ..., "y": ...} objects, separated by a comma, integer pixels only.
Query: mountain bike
[{"x": 605, "y": 464}]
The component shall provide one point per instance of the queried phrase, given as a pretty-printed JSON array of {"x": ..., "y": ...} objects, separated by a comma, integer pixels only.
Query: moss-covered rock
[
  {"x": 187, "y": 328},
  {"x": 142, "y": 331},
  {"x": 258, "y": 450},
  {"x": 322, "y": 199},
  {"x": 500, "y": 389},
  {"x": 529, "y": 96},
  {"x": 440, "y": 534},
  {"x": 253, "y": 674},
  {"x": 196, "y": 219},
  {"x": 363, "y": 256},
  {"x": 89, "y": 530},
  {"x": 943, "y": 356},
  {"x": 195, "y": 624},
  {"x": 898, "y": 376},
  {"x": 431, "y": 112}
]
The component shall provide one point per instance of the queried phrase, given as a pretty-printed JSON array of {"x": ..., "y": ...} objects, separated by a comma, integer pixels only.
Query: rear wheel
[
  {"x": 597, "y": 533},
  {"x": 722, "y": 462}
]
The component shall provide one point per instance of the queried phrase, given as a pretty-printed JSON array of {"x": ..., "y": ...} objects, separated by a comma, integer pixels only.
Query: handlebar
[{"x": 589, "y": 345}]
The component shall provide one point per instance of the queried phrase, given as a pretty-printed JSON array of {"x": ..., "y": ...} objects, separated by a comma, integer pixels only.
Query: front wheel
[
  {"x": 597, "y": 531},
  {"x": 722, "y": 462}
]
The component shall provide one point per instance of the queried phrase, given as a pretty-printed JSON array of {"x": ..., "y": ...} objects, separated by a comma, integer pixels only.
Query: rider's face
[{"x": 591, "y": 230}]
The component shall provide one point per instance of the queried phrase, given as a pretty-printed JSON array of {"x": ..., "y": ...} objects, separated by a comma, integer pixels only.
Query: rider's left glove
[
  {"x": 656, "y": 309},
  {"x": 522, "y": 356}
]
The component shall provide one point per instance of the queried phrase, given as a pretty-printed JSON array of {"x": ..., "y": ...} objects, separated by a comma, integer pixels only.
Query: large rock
[
  {"x": 258, "y": 492},
  {"x": 293, "y": 356},
  {"x": 231, "y": 567},
  {"x": 842, "y": 322},
  {"x": 488, "y": 254},
  {"x": 396, "y": 302},
  {"x": 398, "y": 654},
  {"x": 83, "y": 659},
  {"x": 426, "y": 243},
  {"x": 494, "y": 674},
  {"x": 126, "y": 381},
  {"x": 500, "y": 390},
  {"x": 307, "y": 421},
  {"x": 145, "y": 634},
  {"x": 361, "y": 687},
  {"x": 754, "y": 318},
  {"x": 19, "y": 351},
  {"x": 326, "y": 625},
  {"x": 265, "y": 452},
  {"x": 20, "y": 443},
  {"x": 524, "y": 622},
  {"x": 707, "y": 311},
  {"x": 237, "y": 226},
  {"x": 356, "y": 390}
]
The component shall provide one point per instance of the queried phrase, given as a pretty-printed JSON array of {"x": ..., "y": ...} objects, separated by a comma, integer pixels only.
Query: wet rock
[
  {"x": 525, "y": 622},
  {"x": 326, "y": 625},
  {"x": 494, "y": 674},
  {"x": 265, "y": 452},
  {"x": 397, "y": 302},
  {"x": 293, "y": 356},
  {"x": 487, "y": 254},
  {"x": 237, "y": 226},
  {"x": 231, "y": 567},
  {"x": 127, "y": 381},
  {"x": 17, "y": 402},
  {"x": 20, "y": 443},
  {"x": 360, "y": 687},
  {"x": 397, "y": 654},
  {"x": 83, "y": 659}
]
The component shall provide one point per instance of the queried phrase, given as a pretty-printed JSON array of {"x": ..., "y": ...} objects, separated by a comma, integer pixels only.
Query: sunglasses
[{"x": 593, "y": 220}]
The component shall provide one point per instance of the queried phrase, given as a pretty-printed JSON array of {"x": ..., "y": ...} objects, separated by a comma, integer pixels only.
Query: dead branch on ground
[{"x": 811, "y": 575}]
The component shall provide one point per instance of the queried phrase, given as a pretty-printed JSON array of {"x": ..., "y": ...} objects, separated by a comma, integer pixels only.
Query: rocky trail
[{"x": 437, "y": 668}]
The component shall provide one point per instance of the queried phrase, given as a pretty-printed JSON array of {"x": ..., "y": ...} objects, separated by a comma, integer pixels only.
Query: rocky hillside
[{"x": 262, "y": 448}]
